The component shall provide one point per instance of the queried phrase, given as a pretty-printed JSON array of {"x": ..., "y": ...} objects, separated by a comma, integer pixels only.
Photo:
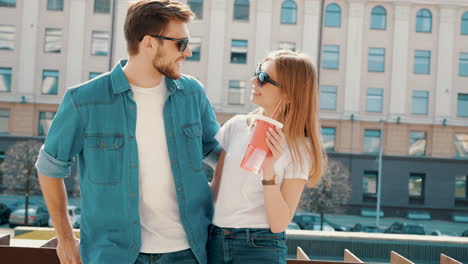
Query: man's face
[{"x": 168, "y": 59}]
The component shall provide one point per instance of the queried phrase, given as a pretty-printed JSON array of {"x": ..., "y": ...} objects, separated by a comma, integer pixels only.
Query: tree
[
  {"x": 19, "y": 170},
  {"x": 331, "y": 193}
]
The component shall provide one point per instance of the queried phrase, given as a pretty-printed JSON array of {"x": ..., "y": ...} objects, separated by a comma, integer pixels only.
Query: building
[{"x": 393, "y": 73}]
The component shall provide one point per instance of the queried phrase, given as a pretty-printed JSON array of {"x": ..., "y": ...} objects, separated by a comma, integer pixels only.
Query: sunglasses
[
  {"x": 181, "y": 43},
  {"x": 263, "y": 77}
]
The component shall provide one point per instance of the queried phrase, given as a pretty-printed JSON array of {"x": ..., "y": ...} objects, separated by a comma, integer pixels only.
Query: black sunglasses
[
  {"x": 263, "y": 77},
  {"x": 181, "y": 43}
]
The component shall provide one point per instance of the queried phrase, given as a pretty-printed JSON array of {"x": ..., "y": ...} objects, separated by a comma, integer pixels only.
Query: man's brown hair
[{"x": 146, "y": 17}]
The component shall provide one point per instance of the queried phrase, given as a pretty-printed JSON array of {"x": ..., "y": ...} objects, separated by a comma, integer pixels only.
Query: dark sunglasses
[
  {"x": 263, "y": 77},
  {"x": 181, "y": 43}
]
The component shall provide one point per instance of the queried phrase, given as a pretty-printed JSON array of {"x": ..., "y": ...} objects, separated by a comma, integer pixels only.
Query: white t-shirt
[
  {"x": 240, "y": 202},
  {"x": 161, "y": 228}
]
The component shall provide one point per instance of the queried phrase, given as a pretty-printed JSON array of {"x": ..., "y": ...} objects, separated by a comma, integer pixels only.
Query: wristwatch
[{"x": 273, "y": 181}]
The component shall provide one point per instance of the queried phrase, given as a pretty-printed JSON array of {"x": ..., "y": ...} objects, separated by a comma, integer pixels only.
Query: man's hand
[{"x": 68, "y": 251}]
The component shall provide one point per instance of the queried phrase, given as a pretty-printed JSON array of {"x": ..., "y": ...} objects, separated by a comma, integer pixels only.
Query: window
[
  {"x": 53, "y": 40},
  {"x": 416, "y": 188},
  {"x": 288, "y": 12},
  {"x": 424, "y": 21},
  {"x": 4, "y": 121},
  {"x": 371, "y": 141},
  {"x": 422, "y": 61},
  {"x": 197, "y": 7},
  {"x": 461, "y": 145},
  {"x": 461, "y": 187},
  {"x": 463, "y": 65},
  {"x": 328, "y": 135},
  {"x": 376, "y": 61},
  {"x": 45, "y": 120},
  {"x": 327, "y": 97},
  {"x": 241, "y": 10},
  {"x": 288, "y": 46},
  {"x": 7, "y": 3},
  {"x": 102, "y": 6},
  {"x": 50, "y": 82},
  {"x": 7, "y": 37},
  {"x": 2, "y": 158},
  {"x": 239, "y": 51},
  {"x": 369, "y": 186},
  {"x": 333, "y": 16},
  {"x": 464, "y": 24},
  {"x": 374, "y": 100},
  {"x": 420, "y": 101},
  {"x": 55, "y": 5},
  {"x": 93, "y": 75},
  {"x": 462, "y": 105},
  {"x": 417, "y": 145},
  {"x": 5, "y": 80},
  {"x": 236, "y": 92},
  {"x": 100, "y": 43},
  {"x": 195, "y": 46},
  {"x": 330, "y": 57},
  {"x": 378, "y": 18}
]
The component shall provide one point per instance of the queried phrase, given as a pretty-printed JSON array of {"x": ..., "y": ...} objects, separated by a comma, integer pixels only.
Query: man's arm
[
  {"x": 55, "y": 197},
  {"x": 211, "y": 147}
]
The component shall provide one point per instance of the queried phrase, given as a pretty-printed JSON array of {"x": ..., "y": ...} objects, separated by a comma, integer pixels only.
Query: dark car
[
  {"x": 366, "y": 228},
  {"x": 309, "y": 221},
  {"x": 404, "y": 228},
  {"x": 465, "y": 233},
  {"x": 5, "y": 212}
]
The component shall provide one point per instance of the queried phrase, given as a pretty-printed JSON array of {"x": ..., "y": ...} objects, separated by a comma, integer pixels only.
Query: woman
[{"x": 253, "y": 211}]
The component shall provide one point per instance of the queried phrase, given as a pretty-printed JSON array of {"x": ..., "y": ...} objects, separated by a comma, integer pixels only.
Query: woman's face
[{"x": 268, "y": 95}]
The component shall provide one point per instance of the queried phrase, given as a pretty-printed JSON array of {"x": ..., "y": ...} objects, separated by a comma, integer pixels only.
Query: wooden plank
[
  {"x": 28, "y": 255},
  {"x": 350, "y": 257},
  {"x": 52, "y": 243},
  {"x": 5, "y": 240},
  {"x": 301, "y": 255},
  {"x": 295, "y": 261},
  {"x": 396, "y": 258},
  {"x": 448, "y": 260}
]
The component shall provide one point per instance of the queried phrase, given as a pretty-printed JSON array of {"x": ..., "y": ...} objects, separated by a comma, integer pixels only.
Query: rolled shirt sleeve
[{"x": 64, "y": 140}]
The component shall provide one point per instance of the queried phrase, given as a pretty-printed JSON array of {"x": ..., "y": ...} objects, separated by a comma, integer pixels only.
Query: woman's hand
[{"x": 276, "y": 141}]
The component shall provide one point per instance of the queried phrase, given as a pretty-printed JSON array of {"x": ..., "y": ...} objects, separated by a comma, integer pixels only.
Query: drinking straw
[{"x": 276, "y": 109}]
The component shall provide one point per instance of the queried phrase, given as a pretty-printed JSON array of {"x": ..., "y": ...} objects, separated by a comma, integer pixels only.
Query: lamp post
[{"x": 379, "y": 175}]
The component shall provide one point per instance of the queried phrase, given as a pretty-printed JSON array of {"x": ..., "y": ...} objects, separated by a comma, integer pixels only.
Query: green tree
[{"x": 332, "y": 192}]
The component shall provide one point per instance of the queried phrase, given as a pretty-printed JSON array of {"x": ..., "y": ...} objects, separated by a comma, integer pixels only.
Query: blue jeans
[
  {"x": 182, "y": 257},
  {"x": 245, "y": 246}
]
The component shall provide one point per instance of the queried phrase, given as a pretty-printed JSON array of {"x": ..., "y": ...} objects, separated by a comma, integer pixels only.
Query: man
[{"x": 140, "y": 133}]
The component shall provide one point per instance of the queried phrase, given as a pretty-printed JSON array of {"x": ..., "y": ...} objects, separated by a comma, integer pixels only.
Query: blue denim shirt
[{"x": 96, "y": 122}]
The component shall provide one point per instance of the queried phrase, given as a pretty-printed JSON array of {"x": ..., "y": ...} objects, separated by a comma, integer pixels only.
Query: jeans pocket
[{"x": 263, "y": 243}]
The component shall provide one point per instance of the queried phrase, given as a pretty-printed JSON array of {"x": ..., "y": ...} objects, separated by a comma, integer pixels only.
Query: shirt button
[
  {"x": 131, "y": 108},
  {"x": 135, "y": 247},
  {"x": 179, "y": 189},
  {"x": 129, "y": 92},
  {"x": 132, "y": 195},
  {"x": 133, "y": 165},
  {"x": 174, "y": 161},
  {"x": 135, "y": 222},
  {"x": 170, "y": 134}
]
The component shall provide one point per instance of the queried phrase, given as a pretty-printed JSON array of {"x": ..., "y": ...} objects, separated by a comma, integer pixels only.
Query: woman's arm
[
  {"x": 280, "y": 204},
  {"x": 217, "y": 175}
]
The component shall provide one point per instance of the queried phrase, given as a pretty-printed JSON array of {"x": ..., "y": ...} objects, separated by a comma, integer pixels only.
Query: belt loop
[{"x": 247, "y": 234}]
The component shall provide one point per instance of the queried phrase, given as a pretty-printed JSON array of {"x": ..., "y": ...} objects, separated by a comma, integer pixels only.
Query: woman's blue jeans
[{"x": 245, "y": 245}]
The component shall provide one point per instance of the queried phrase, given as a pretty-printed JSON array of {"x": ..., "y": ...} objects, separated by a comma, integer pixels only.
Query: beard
[{"x": 168, "y": 69}]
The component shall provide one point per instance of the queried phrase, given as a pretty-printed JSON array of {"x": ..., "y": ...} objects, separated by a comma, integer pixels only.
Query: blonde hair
[{"x": 300, "y": 113}]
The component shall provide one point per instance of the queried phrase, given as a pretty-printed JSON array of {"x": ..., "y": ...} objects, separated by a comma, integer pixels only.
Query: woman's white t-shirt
[{"x": 240, "y": 202}]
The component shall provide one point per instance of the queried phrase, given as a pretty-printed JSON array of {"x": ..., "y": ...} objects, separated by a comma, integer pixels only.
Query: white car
[{"x": 74, "y": 214}]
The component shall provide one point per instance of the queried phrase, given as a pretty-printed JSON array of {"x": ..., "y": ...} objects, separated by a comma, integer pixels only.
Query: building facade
[{"x": 393, "y": 75}]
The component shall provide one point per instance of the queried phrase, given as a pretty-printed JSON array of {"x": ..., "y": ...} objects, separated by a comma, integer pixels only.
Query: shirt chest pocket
[
  {"x": 193, "y": 141},
  {"x": 104, "y": 156}
]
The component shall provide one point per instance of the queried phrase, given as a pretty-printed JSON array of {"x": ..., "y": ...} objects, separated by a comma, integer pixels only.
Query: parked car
[
  {"x": 310, "y": 221},
  {"x": 404, "y": 228},
  {"x": 37, "y": 215},
  {"x": 5, "y": 212},
  {"x": 465, "y": 233},
  {"x": 366, "y": 229},
  {"x": 74, "y": 214},
  {"x": 293, "y": 226}
]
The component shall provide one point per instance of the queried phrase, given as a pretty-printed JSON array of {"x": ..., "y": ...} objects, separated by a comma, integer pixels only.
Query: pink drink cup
[{"x": 257, "y": 150}]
